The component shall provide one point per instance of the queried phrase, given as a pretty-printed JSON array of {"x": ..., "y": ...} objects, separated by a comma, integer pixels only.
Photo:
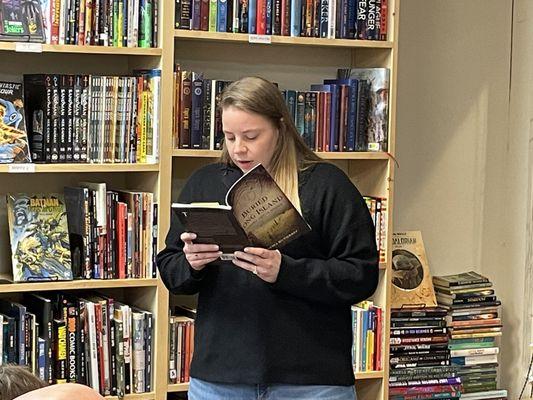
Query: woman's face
[{"x": 250, "y": 138}]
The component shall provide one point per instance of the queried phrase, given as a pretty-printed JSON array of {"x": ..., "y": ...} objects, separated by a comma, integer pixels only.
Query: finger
[
  {"x": 253, "y": 259},
  {"x": 201, "y": 263},
  {"x": 200, "y": 248},
  {"x": 202, "y": 256},
  {"x": 246, "y": 265},
  {"x": 257, "y": 251},
  {"x": 188, "y": 237}
]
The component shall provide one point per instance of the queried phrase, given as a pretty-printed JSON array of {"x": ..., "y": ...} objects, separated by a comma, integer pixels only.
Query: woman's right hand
[{"x": 198, "y": 255}]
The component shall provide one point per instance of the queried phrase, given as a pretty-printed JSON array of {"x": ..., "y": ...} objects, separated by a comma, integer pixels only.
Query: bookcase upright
[{"x": 295, "y": 63}]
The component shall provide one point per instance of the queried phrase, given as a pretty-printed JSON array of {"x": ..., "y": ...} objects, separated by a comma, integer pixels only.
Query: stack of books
[
  {"x": 419, "y": 356},
  {"x": 474, "y": 324}
]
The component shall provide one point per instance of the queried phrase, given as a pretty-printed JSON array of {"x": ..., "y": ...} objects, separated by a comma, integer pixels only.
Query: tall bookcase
[
  {"x": 292, "y": 62},
  {"x": 295, "y": 63}
]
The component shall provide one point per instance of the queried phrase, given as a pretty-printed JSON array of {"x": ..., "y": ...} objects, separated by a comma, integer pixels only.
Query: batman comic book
[
  {"x": 13, "y": 138},
  {"x": 39, "y": 237}
]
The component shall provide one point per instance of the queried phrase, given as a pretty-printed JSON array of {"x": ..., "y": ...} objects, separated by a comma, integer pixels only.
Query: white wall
[{"x": 462, "y": 146}]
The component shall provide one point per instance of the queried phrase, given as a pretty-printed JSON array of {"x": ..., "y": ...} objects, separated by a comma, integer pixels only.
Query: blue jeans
[{"x": 203, "y": 390}]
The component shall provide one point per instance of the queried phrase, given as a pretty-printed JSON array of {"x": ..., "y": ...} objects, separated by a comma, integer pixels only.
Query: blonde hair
[{"x": 291, "y": 155}]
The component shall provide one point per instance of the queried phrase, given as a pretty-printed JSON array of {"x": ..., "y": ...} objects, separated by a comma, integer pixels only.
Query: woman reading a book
[{"x": 274, "y": 324}]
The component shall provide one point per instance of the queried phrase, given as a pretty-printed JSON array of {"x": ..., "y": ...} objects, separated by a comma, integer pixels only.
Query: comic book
[
  {"x": 21, "y": 21},
  {"x": 14, "y": 146},
  {"x": 39, "y": 237}
]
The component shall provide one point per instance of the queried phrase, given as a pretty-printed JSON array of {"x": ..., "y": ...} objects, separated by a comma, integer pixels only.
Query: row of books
[
  {"x": 420, "y": 365},
  {"x": 349, "y": 113},
  {"x": 341, "y": 19},
  {"x": 91, "y": 339},
  {"x": 474, "y": 324},
  {"x": 377, "y": 206},
  {"x": 367, "y": 326},
  {"x": 89, "y": 233},
  {"x": 181, "y": 348},
  {"x": 118, "y": 23},
  {"x": 89, "y": 118}
]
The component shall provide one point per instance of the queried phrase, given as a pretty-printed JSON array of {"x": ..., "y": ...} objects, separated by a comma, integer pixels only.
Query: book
[
  {"x": 411, "y": 280},
  {"x": 21, "y": 21},
  {"x": 463, "y": 279},
  {"x": 13, "y": 137},
  {"x": 39, "y": 237},
  {"x": 256, "y": 213}
]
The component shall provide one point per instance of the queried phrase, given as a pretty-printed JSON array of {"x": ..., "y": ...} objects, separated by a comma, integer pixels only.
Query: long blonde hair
[{"x": 291, "y": 155}]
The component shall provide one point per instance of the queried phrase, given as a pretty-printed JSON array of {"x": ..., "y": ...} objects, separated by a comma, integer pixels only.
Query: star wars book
[
  {"x": 14, "y": 146},
  {"x": 39, "y": 237},
  {"x": 411, "y": 280},
  {"x": 257, "y": 213}
]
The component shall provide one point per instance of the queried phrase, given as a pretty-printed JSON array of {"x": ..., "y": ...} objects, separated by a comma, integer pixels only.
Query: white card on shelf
[
  {"x": 21, "y": 168},
  {"x": 25, "y": 47},
  {"x": 263, "y": 39}
]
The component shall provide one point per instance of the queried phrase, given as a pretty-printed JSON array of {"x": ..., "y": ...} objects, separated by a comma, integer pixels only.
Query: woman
[{"x": 274, "y": 324}]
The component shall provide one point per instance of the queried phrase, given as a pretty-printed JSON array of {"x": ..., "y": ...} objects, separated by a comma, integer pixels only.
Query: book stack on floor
[
  {"x": 419, "y": 356},
  {"x": 474, "y": 324}
]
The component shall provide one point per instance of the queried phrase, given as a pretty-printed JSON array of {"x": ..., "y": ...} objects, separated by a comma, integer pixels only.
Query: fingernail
[
  {"x": 217, "y": 248},
  {"x": 246, "y": 249},
  {"x": 219, "y": 253}
]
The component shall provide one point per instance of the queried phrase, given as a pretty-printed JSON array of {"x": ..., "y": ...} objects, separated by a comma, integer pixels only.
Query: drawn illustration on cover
[
  {"x": 407, "y": 270},
  {"x": 13, "y": 138},
  {"x": 39, "y": 237}
]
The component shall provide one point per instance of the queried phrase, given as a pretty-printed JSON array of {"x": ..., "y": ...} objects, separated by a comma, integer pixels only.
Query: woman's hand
[
  {"x": 261, "y": 262},
  {"x": 198, "y": 255}
]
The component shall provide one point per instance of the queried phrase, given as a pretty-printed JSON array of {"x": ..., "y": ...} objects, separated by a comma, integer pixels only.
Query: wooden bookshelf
[
  {"x": 295, "y": 62},
  {"x": 76, "y": 168},
  {"x": 279, "y": 40},
  {"x": 85, "y": 284},
  {"x": 374, "y": 171},
  {"x": 24, "y": 47}
]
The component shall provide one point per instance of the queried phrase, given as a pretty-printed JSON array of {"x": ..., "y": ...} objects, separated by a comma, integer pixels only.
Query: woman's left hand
[{"x": 261, "y": 262}]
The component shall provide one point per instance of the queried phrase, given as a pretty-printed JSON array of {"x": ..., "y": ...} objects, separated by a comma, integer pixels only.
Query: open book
[{"x": 257, "y": 213}]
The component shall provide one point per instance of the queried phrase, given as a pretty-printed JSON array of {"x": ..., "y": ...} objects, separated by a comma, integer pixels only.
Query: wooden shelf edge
[
  {"x": 177, "y": 387},
  {"x": 369, "y": 375},
  {"x": 281, "y": 40},
  {"x": 383, "y": 265},
  {"x": 12, "y": 287},
  {"x": 324, "y": 155},
  {"x": 78, "y": 167},
  {"x": 134, "y": 396},
  {"x": 75, "y": 49}
]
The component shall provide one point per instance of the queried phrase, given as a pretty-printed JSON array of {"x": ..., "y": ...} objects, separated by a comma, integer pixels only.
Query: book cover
[
  {"x": 13, "y": 138},
  {"x": 257, "y": 213},
  {"x": 463, "y": 279},
  {"x": 39, "y": 237},
  {"x": 378, "y": 113},
  {"x": 411, "y": 280}
]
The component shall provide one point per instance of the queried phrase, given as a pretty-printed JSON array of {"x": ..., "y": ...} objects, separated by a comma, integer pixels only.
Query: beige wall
[{"x": 462, "y": 147}]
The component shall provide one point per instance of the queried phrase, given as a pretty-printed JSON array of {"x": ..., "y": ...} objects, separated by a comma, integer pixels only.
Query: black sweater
[{"x": 298, "y": 329}]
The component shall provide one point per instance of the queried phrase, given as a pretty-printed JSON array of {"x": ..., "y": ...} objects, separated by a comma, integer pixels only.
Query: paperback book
[
  {"x": 257, "y": 213},
  {"x": 39, "y": 237}
]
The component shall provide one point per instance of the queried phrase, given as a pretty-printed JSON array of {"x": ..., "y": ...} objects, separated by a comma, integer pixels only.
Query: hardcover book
[
  {"x": 257, "y": 213},
  {"x": 411, "y": 280},
  {"x": 13, "y": 138},
  {"x": 39, "y": 237}
]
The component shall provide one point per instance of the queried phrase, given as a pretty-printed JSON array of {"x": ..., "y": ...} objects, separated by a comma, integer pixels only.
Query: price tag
[
  {"x": 24, "y": 47},
  {"x": 263, "y": 39},
  {"x": 21, "y": 168}
]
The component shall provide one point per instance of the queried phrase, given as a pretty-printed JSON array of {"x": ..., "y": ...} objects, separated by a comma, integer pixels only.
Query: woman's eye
[
  {"x": 251, "y": 137},
  {"x": 230, "y": 138}
]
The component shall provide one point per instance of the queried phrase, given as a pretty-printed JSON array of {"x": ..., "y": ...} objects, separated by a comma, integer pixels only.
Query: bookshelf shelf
[
  {"x": 74, "y": 285},
  {"x": 280, "y": 40},
  {"x": 135, "y": 396},
  {"x": 178, "y": 387},
  {"x": 369, "y": 375},
  {"x": 323, "y": 155},
  {"x": 74, "y": 49},
  {"x": 87, "y": 168}
]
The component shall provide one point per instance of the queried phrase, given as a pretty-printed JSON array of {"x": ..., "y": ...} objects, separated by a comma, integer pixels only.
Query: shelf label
[
  {"x": 24, "y": 47},
  {"x": 263, "y": 39},
  {"x": 21, "y": 168}
]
